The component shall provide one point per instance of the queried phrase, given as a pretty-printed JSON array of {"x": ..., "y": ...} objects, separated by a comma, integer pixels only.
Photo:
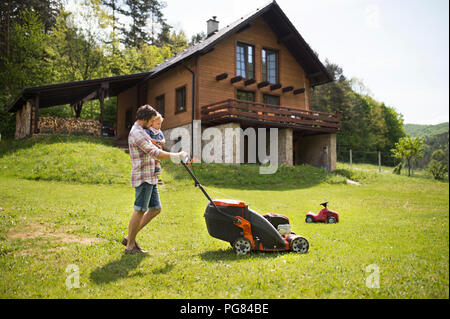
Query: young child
[{"x": 157, "y": 137}]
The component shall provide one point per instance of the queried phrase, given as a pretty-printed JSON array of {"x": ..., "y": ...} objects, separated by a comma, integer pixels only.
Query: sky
[{"x": 398, "y": 48}]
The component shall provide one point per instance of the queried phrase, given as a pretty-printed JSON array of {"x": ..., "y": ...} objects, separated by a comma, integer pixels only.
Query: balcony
[{"x": 267, "y": 115}]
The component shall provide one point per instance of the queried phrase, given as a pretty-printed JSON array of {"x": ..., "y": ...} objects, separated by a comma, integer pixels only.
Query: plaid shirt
[{"x": 142, "y": 154}]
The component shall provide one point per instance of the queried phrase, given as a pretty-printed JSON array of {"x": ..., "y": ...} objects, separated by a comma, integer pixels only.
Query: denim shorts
[{"x": 146, "y": 197}]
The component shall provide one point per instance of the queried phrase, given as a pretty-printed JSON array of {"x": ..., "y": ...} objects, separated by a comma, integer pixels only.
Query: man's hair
[{"x": 145, "y": 112}]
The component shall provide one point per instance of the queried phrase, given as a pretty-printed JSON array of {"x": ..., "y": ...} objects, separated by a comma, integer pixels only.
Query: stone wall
[
  {"x": 230, "y": 148},
  {"x": 285, "y": 147}
]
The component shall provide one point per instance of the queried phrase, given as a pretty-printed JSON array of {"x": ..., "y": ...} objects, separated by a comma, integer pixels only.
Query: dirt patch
[{"x": 42, "y": 230}]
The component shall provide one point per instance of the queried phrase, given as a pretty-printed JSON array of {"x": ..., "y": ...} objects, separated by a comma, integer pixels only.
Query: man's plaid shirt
[{"x": 142, "y": 153}]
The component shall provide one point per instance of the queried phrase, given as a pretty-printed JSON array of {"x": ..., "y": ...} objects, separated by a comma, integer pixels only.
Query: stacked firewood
[{"x": 69, "y": 126}]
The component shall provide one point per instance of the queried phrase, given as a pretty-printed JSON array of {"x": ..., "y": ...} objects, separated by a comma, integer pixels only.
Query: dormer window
[
  {"x": 270, "y": 66},
  {"x": 245, "y": 60}
]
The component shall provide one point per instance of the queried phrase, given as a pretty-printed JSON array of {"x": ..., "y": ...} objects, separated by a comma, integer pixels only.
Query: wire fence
[{"x": 379, "y": 158}]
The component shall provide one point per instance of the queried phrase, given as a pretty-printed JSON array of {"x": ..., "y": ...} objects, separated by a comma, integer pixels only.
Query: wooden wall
[
  {"x": 125, "y": 101},
  {"x": 166, "y": 84},
  {"x": 223, "y": 59}
]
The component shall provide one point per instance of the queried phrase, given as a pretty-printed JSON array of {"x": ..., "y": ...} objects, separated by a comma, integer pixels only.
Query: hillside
[
  {"x": 90, "y": 160},
  {"x": 426, "y": 130}
]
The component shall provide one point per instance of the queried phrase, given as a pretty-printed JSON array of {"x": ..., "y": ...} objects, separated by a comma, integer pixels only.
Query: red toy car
[{"x": 324, "y": 216}]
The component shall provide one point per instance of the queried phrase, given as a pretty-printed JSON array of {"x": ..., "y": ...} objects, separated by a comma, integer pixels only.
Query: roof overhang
[{"x": 73, "y": 92}]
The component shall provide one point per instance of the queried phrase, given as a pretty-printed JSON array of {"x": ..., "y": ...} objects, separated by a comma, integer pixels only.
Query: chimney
[{"x": 212, "y": 26}]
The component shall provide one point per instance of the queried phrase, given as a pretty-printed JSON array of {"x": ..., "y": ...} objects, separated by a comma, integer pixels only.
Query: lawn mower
[
  {"x": 246, "y": 230},
  {"x": 324, "y": 216}
]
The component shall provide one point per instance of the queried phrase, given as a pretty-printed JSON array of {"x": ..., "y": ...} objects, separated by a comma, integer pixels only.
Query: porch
[{"x": 267, "y": 115}]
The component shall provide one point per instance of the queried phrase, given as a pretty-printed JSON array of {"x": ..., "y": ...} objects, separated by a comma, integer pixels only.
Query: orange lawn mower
[{"x": 246, "y": 230}]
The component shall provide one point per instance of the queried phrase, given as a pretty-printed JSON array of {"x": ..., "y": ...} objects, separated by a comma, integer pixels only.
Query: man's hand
[{"x": 183, "y": 155}]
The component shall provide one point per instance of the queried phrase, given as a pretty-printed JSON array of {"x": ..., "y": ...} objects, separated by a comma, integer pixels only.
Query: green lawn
[{"x": 66, "y": 201}]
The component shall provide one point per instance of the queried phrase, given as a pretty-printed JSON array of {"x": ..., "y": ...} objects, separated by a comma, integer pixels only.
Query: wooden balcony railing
[{"x": 269, "y": 115}]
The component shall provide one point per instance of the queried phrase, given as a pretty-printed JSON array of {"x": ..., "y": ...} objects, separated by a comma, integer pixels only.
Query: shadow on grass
[
  {"x": 118, "y": 269},
  {"x": 230, "y": 255}
]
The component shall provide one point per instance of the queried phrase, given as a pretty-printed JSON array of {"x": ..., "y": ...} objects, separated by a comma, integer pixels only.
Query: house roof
[
  {"x": 71, "y": 92},
  {"x": 281, "y": 26}
]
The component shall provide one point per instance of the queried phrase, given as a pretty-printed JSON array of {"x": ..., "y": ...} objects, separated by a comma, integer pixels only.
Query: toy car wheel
[
  {"x": 309, "y": 219},
  {"x": 300, "y": 245},
  {"x": 242, "y": 246},
  {"x": 331, "y": 220}
]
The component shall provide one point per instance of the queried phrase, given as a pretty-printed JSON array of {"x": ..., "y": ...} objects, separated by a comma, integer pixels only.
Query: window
[
  {"x": 270, "y": 66},
  {"x": 271, "y": 99},
  {"x": 245, "y": 60},
  {"x": 160, "y": 104},
  {"x": 180, "y": 99}
]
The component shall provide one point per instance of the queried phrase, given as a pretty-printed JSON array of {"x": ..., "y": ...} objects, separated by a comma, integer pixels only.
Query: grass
[{"x": 397, "y": 223}]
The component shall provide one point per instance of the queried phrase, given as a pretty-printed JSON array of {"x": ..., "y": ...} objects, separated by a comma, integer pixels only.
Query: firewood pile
[{"x": 69, "y": 126}]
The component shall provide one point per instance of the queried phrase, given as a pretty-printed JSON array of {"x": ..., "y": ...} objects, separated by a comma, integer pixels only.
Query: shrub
[
  {"x": 438, "y": 165},
  {"x": 398, "y": 169}
]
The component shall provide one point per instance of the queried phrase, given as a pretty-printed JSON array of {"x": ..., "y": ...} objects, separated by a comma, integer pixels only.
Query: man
[{"x": 143, "y": 154}]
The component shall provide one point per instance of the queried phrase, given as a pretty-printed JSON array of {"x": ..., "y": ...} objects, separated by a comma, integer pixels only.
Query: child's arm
[{"x": 163, "y": 140}]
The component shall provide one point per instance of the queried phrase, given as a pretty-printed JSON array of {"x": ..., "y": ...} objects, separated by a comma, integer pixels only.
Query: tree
[
  {"x": 140, "y": 11},
  {"x": 11, "y": 13},
  {"x": 23, "y": 67},
  {"x": 197, "y": 38},
  {"x": 408, "y": 149},
  {"x": 178, "y": 41},
  {"x": 367, "y": 126},
  {"x": 438, "y": 165},
  {"x": 164, "y": 35}
]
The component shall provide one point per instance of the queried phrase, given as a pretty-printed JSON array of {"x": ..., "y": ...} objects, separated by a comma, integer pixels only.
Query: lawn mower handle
[{"x": 197, "y": 183}]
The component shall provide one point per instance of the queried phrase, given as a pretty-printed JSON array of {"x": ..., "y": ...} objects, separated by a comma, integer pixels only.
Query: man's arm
[
  {"x": 155, "y": 152},
  {"x": 163, "y": 155}
]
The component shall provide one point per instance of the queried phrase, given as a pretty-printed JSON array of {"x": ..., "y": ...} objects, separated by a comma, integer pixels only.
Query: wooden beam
[
  {"x": 275, "y": 86},
  {"x": 236, "y": 79},
  {"x": 249, "y": 82},
  {"x": 101, "y": 95},
  {"x": 263, "y": 84},
  {"x": 287, "y": 89},
  {"x": 299, "y": 91},
  {"x": 221, "y": 77},
  {"x": 36, "y": 115}
]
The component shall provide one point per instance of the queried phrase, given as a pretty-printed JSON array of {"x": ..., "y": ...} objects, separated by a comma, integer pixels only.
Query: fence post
[
  {"x": 379, "y": 161},
  {"x": 350, "y": 159}
]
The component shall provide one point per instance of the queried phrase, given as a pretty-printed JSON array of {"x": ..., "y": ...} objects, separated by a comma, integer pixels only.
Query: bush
[
  {"x": 7, "y": 124},
  {"x": 398, "y": 169},
  {"x": 438, "y": 165}
]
